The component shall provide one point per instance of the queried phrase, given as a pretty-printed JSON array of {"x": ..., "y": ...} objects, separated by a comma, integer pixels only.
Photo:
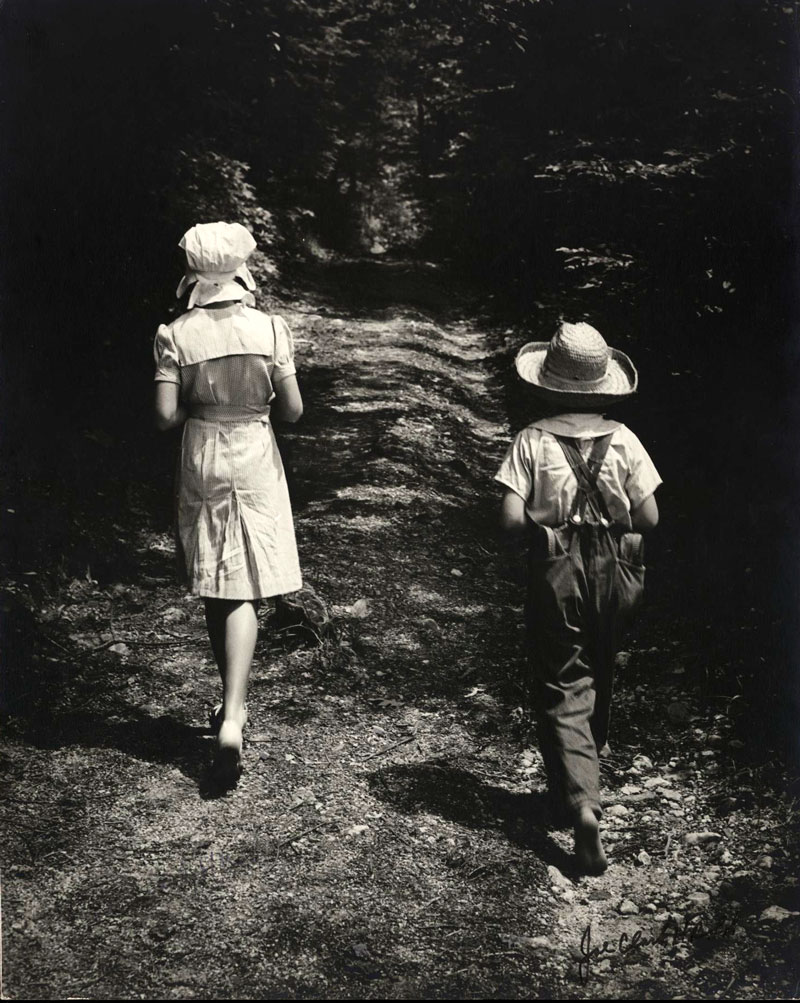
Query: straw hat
[
  {"x": 576, "y": 367},
  {"x": 215, "y": 259}
]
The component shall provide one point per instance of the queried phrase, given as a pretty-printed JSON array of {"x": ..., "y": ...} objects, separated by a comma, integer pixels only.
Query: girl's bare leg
[
  {"x": 215, "y": 624},
  {"x": 232, "y": 630},
  {"x": 241, "y": 632}
]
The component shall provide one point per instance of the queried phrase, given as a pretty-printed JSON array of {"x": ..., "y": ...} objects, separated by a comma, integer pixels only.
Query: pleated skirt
[{"x": 235, "y": 534}]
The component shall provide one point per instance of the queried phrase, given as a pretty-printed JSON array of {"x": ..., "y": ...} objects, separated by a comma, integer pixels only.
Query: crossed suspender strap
[{"x": 586, "y": 472}]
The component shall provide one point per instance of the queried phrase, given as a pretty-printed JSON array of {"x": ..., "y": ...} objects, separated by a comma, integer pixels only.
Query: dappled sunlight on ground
[{"x": 390, "y": 832}]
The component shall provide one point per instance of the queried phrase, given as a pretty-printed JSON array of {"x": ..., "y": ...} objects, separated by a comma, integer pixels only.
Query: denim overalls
[{"x": 585, "y": 579}]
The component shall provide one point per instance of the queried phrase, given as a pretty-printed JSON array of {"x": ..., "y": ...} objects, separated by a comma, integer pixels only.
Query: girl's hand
[
  {"x": 169, "y": 412},
  {"x": 288, "y": 404}
]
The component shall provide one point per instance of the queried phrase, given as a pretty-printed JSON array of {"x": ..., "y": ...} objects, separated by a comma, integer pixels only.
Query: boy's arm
[
  {"x": 645, "y": 515},
  {"x": 513, "y": 519},
  {"x": 516, "y": 477},
  {"x": 641, "y": 483}
]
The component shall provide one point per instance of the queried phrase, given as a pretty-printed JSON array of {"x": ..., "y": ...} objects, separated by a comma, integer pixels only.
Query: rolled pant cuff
[{"x": 577, "y": 801}]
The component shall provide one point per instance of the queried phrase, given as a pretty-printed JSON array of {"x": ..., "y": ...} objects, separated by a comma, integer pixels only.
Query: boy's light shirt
[{"x": 536, "y": 468}]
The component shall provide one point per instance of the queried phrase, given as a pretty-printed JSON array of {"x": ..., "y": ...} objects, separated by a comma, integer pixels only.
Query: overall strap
[{"x": 586, "y": 473}]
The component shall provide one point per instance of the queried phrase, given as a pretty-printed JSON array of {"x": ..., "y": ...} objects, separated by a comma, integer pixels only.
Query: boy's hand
[
  {"x": 645, "y": 516},
  {"x": 513, "y": 519}
]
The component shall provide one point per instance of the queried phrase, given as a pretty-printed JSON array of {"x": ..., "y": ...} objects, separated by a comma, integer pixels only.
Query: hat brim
[{"x": 620, "y": 381}]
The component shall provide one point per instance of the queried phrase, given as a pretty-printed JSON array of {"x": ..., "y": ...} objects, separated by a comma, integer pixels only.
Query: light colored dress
[{"x": 234, "y": 520}]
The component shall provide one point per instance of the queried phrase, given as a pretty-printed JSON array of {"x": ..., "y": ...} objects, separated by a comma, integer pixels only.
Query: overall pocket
[
  {"x": 630, "y": 573},
  {"x": 631, "y": 549},
  {"x": 553, "y": 577},
  {"x": 538, "y": 542},
  {"x": 546, "y": 543}
]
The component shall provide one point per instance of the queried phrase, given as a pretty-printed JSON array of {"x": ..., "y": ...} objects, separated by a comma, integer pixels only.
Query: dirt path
[{"x": 387, "y": 838}]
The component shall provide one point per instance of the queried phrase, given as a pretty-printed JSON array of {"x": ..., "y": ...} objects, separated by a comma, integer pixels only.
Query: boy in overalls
[{"x": 577, "y": 486}]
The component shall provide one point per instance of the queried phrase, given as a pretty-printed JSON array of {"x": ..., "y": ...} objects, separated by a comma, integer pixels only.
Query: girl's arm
[
  {"x": 645, "y": 516},
  {"x": 513, "y": 519},
  {"x": 170, "y": 413},
  {"x": 288, "y": 404}
]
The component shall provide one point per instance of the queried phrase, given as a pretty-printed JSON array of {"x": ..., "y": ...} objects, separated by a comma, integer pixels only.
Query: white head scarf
[{"x": 215, "y": 258}]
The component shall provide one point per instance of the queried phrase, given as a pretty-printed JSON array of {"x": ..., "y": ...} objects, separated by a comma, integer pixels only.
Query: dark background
[{"x": 625, "y": 163}]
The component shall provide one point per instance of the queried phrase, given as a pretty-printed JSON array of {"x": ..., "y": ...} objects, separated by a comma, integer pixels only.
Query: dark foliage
[{"x": 628, "y": 162}]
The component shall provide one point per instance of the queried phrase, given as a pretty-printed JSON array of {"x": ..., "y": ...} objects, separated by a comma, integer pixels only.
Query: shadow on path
[{"x": 459, "y": 796}]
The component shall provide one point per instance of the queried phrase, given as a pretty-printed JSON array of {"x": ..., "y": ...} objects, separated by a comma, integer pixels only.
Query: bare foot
[
  {"x": 228, "y": 761},
  {"x": 215, "y": 718},
  {"x": 588, "y": 848}
]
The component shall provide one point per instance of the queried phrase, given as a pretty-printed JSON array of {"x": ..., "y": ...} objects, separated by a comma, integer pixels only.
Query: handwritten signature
[{"x": 693, "y": 926}]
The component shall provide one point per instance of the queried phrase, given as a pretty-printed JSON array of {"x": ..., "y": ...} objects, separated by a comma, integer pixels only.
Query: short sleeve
[
  {"x": 517, "y": 469},
  {"x": 284, "y": 350},
  {"x": 168, "y": 368},
  {"x": 643, "y": 478}
]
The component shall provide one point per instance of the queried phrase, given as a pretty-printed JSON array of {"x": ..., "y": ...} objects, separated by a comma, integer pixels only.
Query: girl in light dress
[{"x": 221, "y": 369}]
